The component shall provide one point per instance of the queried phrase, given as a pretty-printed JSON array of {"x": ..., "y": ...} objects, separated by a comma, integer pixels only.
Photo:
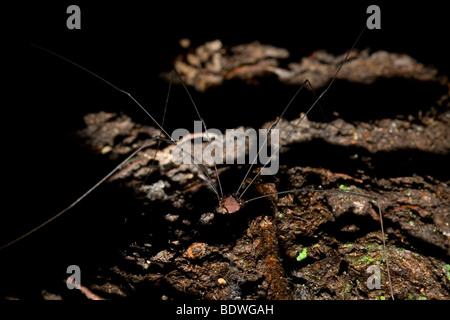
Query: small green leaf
[
  {"x": 302, "y": 255},
  {"x": 382, "y": 298},
  {"x": 422, "y": 298},
  {"x": 344, "y": 188},
  {"x": 348, "y": 288}
]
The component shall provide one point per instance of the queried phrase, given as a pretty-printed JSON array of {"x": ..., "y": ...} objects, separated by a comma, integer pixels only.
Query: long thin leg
[{"x": 162, "y": 125}]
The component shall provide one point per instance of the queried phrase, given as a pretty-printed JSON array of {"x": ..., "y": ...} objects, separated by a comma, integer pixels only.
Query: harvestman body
[{"x": 227, "y": 204}]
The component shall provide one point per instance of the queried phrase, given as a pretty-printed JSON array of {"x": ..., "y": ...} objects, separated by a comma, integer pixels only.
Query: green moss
[
  {"x": 422, "y": 298},
  {"x": 374, "y": 247}
]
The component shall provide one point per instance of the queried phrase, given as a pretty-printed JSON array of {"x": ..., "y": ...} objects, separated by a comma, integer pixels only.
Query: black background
[{"x": 129, "y": 44}]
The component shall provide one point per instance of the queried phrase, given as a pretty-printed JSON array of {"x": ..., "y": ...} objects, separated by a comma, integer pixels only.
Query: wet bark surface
[{"x": 303, "y": 245}]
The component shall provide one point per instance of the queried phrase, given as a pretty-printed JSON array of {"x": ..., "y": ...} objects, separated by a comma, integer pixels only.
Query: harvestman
[{"x": 231, "y": 203}]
